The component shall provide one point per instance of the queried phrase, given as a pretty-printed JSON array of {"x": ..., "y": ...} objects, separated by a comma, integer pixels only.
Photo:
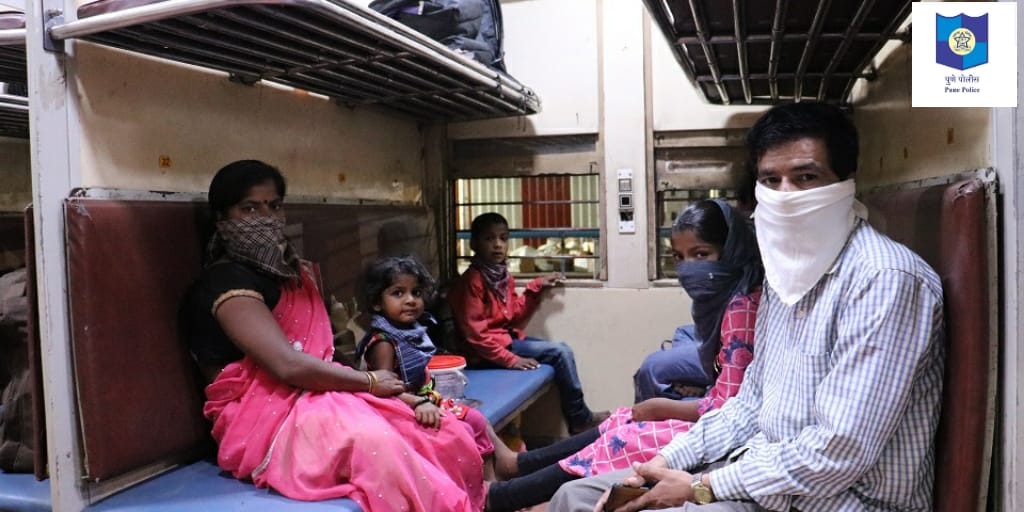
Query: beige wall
[
  {"x": 900, "y": 143},
  {"x": 15, "y": 178},
  {"x": 135, "y": 110},
  {"x": 611, "y": 331},
  {"x": 551, "y": 46}
]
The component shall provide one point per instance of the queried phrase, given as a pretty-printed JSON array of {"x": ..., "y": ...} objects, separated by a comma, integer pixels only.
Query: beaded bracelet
[
  {"x": 371, "y": 379},
  {"x": 433, "y": 396},
  {"x": 425, "y": 400}
]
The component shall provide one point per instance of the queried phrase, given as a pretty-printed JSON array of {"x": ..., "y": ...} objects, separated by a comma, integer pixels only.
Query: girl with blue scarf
[
  {"x": 690, "y": 362},
  {"x": 395, "y": 291},
  {"x": 720, "y": 269}
]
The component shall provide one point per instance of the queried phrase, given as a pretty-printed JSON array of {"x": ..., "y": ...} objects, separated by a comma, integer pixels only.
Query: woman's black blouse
[{"x": 207, "y": 341}]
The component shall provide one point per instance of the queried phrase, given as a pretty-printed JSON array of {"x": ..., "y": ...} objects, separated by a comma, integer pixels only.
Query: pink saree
[{"x": 320, "y": 445}]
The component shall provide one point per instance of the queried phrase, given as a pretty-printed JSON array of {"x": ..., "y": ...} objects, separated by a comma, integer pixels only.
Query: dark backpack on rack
[{"x": 467, "y": 26}]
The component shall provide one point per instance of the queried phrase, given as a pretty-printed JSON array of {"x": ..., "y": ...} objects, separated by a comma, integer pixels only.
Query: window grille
[{"x": 554, "y": 222}]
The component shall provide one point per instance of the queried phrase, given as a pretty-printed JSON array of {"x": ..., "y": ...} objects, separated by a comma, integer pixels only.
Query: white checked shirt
[{"x": 839, "y": 408}]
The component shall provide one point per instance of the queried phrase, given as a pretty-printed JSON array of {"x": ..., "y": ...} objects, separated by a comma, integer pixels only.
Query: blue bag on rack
[{"x": 472, "y": 27}]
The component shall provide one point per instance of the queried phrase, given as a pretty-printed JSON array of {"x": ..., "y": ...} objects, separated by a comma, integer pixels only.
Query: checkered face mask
[{"x": 257, "y": 241}]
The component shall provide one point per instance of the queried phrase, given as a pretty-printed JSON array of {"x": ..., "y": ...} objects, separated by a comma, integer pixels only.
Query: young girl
[
  {"x": 720, "y": 268},
  {"x": 490, "y": 315},
  {"x": 395, "y": 293}
]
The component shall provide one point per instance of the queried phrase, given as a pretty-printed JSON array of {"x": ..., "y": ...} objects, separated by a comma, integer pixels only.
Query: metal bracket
[
  {"x": 239, "y": 78},
  {"x": 51, "y": 18}
]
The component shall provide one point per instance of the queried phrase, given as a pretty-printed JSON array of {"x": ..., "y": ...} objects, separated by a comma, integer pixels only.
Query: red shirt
[{"x": 484, "y": 321}]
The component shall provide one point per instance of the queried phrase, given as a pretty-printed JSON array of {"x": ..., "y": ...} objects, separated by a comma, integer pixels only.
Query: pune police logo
[{"x": 961, "y": 42}]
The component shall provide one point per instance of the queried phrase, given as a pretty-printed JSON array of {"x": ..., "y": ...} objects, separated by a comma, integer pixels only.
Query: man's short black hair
[{"x": 787, "y": 123}]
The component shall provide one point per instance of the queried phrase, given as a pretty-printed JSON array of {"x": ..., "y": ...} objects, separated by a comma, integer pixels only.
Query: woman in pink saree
[{"x": 284, "y": 415}]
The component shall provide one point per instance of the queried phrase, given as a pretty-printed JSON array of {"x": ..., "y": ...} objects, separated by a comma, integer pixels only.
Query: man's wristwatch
[{"x": 702, "y": 494}]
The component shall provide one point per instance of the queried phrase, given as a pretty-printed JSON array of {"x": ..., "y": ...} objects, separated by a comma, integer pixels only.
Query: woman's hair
[
  {"x": 233, "y": 181},
  {"x": 706, "y": 220},
  {"x": 385, "y": 271},
  {"x": 484, "y": 221},
  {"x": 786, "y": 123}
]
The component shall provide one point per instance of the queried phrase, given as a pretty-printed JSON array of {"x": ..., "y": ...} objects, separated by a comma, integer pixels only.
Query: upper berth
[
  {"x": 12, "y": 45},
  {"x": 13, "y": 116},
  {"x": 337, "y": 48},
  {"x": 13, "y": 107},
  {"x": 776, "y": 51}
]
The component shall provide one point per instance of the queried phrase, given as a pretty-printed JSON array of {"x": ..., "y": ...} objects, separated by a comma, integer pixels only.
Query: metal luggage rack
[
  {"x": 12, "y": 47},
  {"x": 768, "y": 52},
  {"x": 13, "y": 116},
  {"x": 332, "y": 47},
  {"x": 13, "y": 108}
]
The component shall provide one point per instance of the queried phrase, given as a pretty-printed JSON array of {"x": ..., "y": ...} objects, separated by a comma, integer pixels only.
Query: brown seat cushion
[
  {"x": 12, "y": 242},
  {"x": 129, "y": 264},
  {"x": 35, "y": 355},
  {"x": 949, "y": 226}
]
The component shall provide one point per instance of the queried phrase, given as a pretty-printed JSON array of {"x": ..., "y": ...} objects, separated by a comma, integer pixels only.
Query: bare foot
[
  {"x": 489, "y": 469},
  {"x": 506, "y": 461},
  {"x": 487, "y": 495}
]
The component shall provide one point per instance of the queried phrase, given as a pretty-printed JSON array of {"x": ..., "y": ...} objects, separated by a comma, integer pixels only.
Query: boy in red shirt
[{"x": 489, "y": 315}]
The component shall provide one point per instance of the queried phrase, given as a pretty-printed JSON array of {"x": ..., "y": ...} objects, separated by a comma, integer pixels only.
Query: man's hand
[
  {"x": 599, "y": 506},
  {"x": 525, "y": 363},
  {"x": 673, "y": 487},
  {"x": 651, "y": 409}
]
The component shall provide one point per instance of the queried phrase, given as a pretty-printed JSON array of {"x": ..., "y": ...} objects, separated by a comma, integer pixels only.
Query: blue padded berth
[
  {"x": 203, "y": 486},
  {"x": 23, "y": 493},
  {"x": 505, "y": 393}
]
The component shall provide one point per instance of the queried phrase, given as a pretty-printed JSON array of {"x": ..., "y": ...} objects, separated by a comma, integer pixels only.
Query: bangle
[
  {"x": 371, "y": 379},
  {"x": 424, "y": 400}
]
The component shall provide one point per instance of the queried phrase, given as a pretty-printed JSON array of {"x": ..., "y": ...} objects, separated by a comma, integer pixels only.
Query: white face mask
[{"x": 801, "y": 234}]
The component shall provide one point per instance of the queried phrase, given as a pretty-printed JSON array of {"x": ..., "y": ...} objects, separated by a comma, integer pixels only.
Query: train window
[
  {"x": 670, "y": 204},
  {"x": 554, "y": 222},
  {"x": 690, "y": 166}
]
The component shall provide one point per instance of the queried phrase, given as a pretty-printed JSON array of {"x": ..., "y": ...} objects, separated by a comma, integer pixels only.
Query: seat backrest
[
  {"x": 35, "y": 355},
  {"x": 952, "y": 227},
  {"x": 12, "y": 241},
  {"x": 129, "y": 266}
]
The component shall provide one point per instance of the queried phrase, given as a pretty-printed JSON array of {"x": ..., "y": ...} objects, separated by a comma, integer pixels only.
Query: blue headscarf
[
  {"x": 413, "y": 348},
  {"x": 713, "y": 284}
]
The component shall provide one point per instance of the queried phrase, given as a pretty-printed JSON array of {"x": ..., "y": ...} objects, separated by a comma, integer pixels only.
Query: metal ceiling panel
[{"x": 777, "y": 51}]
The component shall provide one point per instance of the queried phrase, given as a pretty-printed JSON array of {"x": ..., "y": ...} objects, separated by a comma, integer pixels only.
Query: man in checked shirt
[{"x": 839, "y": 408}]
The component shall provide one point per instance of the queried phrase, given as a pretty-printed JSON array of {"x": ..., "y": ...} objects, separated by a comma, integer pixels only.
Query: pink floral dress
[{"x": 624, "y": 441}]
